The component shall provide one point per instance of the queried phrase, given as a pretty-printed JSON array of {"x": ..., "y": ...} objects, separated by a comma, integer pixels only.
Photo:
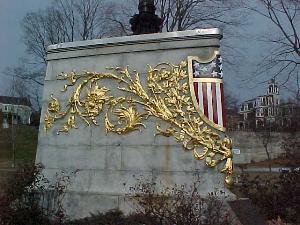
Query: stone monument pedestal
[{"x": 108, "y": 164}]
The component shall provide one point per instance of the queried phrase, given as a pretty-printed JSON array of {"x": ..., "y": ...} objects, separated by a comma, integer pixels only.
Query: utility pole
[
  {"x": 12, "y": 128},
  {"x": 146, "y": 22}
]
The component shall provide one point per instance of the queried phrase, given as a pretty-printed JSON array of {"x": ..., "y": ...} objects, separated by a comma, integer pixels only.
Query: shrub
[
  {"x": 276, "y": 222},
  {"x": 25, "y": 200},
  {"x": 179, "y": 205},
  {"x": 277, "y": 196},
  {"x": 114, "y": 217}
]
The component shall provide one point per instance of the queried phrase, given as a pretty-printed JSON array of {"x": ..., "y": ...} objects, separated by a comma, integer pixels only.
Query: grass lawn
[{"x": 25, "y": 140}]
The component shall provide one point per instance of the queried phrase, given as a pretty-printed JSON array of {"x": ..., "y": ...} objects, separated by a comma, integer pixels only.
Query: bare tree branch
[
  {"x": 63, "y": 21},
  {"x": 283, "y": 61}
]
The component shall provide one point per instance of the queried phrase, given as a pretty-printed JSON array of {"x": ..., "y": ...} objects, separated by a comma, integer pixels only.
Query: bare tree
[
  {"x": 179, "y": 15},
  {"x": 71, "y": 20},
  {"x": 118, "y": 15},
  {"x": 264, "y": 136},
  {"x": 26, "y": 82},
  {"x": 189, "y": 14},
  {"x": 63, "y": 21},
  {"x": 228, "y": 15},
  {"x": 30, "y": 73},
  {"x": 283, "y": 61},
  {"x": 231, "y": 102}
]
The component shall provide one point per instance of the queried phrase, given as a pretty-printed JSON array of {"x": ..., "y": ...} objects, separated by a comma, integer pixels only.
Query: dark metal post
[{"x": 146, "y": 21}]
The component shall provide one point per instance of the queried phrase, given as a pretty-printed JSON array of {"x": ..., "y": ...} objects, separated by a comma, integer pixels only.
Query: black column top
[
  {"x": 147, "y": 6},
  {"x": 146, "y": 21}
]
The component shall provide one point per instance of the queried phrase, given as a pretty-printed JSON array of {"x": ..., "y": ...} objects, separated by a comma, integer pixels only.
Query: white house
[
  {"x": 262, "y": 109},
  {"x": 15, "y": 109}
]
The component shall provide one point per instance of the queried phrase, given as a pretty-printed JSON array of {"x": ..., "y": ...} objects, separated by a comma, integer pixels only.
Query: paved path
[{"x": 266, "y": 169}]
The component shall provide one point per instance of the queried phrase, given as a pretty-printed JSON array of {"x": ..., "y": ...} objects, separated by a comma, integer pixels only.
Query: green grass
[{"x": 25, "y": 139}]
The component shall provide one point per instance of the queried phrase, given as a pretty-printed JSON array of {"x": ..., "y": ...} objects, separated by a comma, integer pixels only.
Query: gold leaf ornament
[
  {"x": 94, "y": 101},
  {"x": 131, "y": 118},
  {"x": 53, "y": 105},
  {"x": 165, "y": 97},
  {"x": 48, "y": 122}
]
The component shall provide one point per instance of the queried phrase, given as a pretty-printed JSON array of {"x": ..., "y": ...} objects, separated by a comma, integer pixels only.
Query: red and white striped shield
[{"x": 207, "y": 90}]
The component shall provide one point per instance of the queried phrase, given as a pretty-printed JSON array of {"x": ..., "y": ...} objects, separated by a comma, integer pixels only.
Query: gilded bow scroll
[{"x": 166, "y": 96}]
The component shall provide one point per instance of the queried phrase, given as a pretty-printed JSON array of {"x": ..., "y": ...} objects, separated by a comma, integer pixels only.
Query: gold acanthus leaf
[
  {"x": 131, "y": 118},
  {"x": 165, "y": 97}
]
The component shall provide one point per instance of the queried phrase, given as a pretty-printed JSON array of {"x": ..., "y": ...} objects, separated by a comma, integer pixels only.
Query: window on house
[
  {"x": 250, "y": 105},
  {"x": 269, "y": 111}
]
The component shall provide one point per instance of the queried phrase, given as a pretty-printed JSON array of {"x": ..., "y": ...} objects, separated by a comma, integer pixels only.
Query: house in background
[
  {"x": 15, "y": 109},
  {"x": 290, "y": 116},
  {"x": 262, "y": 111},
  {"x": 269, "y": 111}
]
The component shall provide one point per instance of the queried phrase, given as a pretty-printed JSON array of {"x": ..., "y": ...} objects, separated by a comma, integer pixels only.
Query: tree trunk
[{"x": 269, "y": 158}]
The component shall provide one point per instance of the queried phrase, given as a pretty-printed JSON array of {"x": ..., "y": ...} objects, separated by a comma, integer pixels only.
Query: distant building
[
  {"x": 261, "y": 111},
  {"x": 232, "y": 119},
  {"x": 15, "y": 109},
  {"x": 290, "y": 116}
]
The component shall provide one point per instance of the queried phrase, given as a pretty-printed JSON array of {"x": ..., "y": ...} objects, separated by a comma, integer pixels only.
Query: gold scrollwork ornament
[{"x": 166, "y": 97}]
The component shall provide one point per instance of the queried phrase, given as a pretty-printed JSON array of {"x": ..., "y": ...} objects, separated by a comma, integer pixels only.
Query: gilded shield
[{"x": 206, "y": 85}]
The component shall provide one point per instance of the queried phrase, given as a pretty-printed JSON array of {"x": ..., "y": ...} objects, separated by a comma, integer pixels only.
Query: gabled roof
[{"x": 15, "y": 100}]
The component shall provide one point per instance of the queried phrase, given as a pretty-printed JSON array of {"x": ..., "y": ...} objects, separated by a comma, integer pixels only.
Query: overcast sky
[
  {"x": 12, "y": 48},
  {"x": 11, "y": 45}
]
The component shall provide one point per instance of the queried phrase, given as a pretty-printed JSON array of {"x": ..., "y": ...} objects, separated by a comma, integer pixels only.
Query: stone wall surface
[
  {"x": 108, "y": 165},
  {"x": 251, "y": 145}
]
